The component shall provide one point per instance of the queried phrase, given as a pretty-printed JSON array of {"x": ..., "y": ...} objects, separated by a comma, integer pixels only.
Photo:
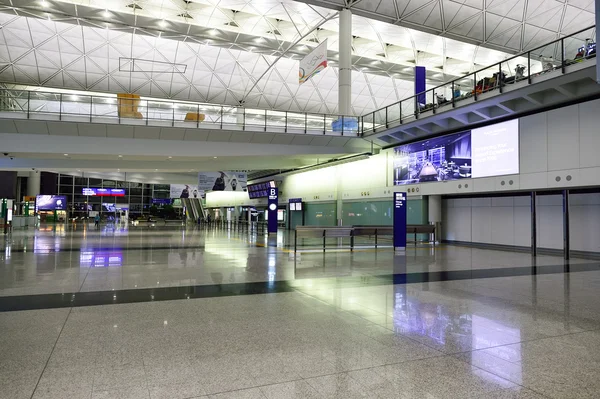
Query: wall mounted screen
[
  {"x": 496, "y": 149},
  {"x": 489, "y": 151},
  {"x": 260, "y": 190},
  {"x": 51, "y": 203}
]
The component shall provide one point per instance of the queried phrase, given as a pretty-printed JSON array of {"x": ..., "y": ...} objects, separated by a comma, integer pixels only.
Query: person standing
[{"x": 97, "y": 221}]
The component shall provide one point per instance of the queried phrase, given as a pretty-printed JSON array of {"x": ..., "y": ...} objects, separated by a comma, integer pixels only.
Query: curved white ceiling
[{"x": 217, "y": 51}]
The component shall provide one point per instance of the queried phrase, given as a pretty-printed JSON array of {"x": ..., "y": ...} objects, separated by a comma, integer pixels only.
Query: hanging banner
[
  {"x": 314, "y": 62},
  {"x": 222, "y": 181},
  {"x": 185, "y": 191}
]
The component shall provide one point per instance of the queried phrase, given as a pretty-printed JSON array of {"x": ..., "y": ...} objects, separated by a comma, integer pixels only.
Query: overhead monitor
[{"x": 260, "y": 190}]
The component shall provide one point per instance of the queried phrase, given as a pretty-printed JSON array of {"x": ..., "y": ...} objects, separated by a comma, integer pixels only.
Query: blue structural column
[
  {"x": 420, "y": 80},
  {"x": 400, "y": 212},
  {"x": 272, "y": 206}
]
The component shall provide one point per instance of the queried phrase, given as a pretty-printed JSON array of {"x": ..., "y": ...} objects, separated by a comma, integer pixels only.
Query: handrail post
[
  {"x": 91, "y": 107},
  {"x": 305, "y": 123},
  {"x": 387, "y": 124},
  {"x": 373, "y": 121},
  {"x": 416, "y": 106},
  {"x": 324, "y": 124},
  {"x": 147, "y": 112},
  {"x": 433, "y": 101},
  {"x": 529, "y": 67},
  {"x": 60, "y": 100},
  {"x": 221, "y": 117},
  {"x": 243, "y": 118},
  {"x": 198, "y": 116},
  {"x": 499, "y": 80},
  {"x": 265, "y": 120},
  {"x": 453, "y": 104},
  {"x": 324, "y": 238},
  {"x": 562, "y": 54},
  {"x": 342, "y": 125},
  {"x": 286, "y": 122},
  {"x": 28, "y": 103},
  {"x": 400, "y": 109},
  {"x": 173, "y": 120},
  {"x": 475, "y": 85}
]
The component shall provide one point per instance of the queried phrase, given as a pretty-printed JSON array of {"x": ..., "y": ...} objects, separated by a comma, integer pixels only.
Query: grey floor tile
[
  {"x": 132, "y": 392},
  {"x": 176, "y": 390},
  {"x": 253, "y": 393},
  {"x": 299, "y": 389},
  {"x": 338, "y": 386}
]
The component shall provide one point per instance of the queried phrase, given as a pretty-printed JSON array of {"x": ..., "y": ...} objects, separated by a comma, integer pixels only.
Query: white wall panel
[
  {"x": 585, "y": 222},
  {"x": 589, "y": 139},
  {"x": 563, "y": 138},
  {"x": 533, "y": 142},
  {"x": 549, "y": 222}
]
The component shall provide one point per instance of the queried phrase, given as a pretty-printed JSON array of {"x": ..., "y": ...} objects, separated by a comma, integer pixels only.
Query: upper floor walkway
[{"x": 556, "y": 73}]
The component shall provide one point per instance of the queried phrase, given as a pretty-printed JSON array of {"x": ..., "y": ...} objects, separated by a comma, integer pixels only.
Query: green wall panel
[{"x": 320, "y": 214}]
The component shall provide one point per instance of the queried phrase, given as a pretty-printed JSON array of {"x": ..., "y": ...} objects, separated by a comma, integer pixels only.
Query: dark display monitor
[{"x": 260, "y": 190}]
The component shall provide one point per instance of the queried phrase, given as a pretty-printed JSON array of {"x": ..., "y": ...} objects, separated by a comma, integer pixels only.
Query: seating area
[{"x": 325, "y": 232}]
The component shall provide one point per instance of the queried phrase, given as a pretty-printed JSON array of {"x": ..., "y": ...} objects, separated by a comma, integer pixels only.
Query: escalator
[{"x": 190, "y": 211}]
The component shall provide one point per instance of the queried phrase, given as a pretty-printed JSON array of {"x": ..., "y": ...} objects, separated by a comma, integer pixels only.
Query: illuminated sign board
[{"x": 103, "y": 192}]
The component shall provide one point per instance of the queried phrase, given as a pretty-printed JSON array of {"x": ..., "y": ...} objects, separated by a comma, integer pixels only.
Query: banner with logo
[
  {"x": 185, "y": 191},
  {"x": 222, "y": 181},
  {"x": 314, "y": 62}
]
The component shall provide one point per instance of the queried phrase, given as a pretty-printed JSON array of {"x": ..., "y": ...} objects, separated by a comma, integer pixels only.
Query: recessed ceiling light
[
  {"x": 156, "y": 170},
  {"x": 106, "y": 14},
  {"x": 44, "y": 3},
  {"x": 170, "y": 157},
  {"x": 212, "y": 32},
  {"x": 215, "y": 157},
  {"x": 162, "y": 23},
  {"x": 120, "y": 156},
  {"x": 66, "y": 155}
]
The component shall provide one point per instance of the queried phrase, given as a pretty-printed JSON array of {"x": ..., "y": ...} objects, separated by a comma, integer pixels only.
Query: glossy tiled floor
[{"x": 341, "y": 329}]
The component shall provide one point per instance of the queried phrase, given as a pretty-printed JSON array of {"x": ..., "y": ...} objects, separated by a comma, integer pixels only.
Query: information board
[
  {"x": 400, "y": 205},
  {"x": 273, "y": 203}
]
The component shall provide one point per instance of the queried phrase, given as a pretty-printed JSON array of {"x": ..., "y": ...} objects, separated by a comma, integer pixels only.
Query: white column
[
  {"x": 435, "y": 214},
  {"x": 33, "y": 184},
  {"x": 345, "y": 66}
]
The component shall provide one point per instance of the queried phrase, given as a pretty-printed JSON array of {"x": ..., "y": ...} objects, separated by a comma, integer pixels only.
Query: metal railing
[
  {"x": 104, "y": 108},
  {"x": 46, "y": 105},
  {"x": 553, "y": 56}
]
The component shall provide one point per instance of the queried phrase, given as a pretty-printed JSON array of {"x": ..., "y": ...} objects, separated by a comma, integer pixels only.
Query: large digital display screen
[
  {"x": 260, "y": 190},
  {"x": 488, "y": 151},
  {"x": 103, "y": 192},
  {"x": 51, "y": 203},
  {"x": 496, "y": 149}
]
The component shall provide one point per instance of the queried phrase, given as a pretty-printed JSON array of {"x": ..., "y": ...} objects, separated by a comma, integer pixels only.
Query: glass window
[
  {"x": 95, "y": 182},
  {"x": 66, "y": 180},
  {"x": 81, "y": 181},
  {"x": 109, "y": 183},
  {"x": 135, "y": 191}
]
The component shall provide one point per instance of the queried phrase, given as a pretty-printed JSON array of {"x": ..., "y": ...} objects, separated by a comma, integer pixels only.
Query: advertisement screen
[
  {"x": 51, "y": 203},
  {"x": 488, "y": 151},
  {"x": 185, "y": 191},
  {"x": 222, "y": 181},
  {"x": 438, "y": 159},
  {"x": 496, "y": 149}
]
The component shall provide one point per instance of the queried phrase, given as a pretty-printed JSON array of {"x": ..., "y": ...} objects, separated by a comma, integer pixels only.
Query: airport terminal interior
[{"x": 299, "y": 199}]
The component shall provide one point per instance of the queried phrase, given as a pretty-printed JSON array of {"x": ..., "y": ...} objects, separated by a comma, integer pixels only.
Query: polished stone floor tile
[
  {"x": 132, "y": 392},
  {"x": 299, "y": 389},
  {"x": 253, "y": 393},
  {"x": 338, "y": 386},
  {"x": 173, "y": 389}
]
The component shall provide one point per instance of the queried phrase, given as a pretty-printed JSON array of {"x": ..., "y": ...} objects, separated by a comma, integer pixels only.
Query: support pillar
[
  {"x": 345, "y": 66},
  {"x": 533, "y": 223},
  {"x": 435, "y": 214},
  {"x": 33, "y": 184}
]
